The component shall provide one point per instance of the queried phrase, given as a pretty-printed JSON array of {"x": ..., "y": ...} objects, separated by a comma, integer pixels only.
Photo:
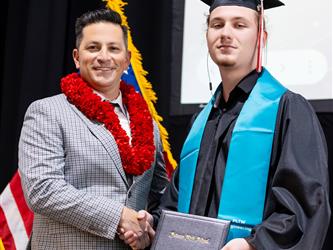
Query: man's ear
[
  {"x": 129, "y": 56},
  {"x": 265, "y": 38},
  {"x": 75, "y": 55},
  {"x": 128, "y": 60}
]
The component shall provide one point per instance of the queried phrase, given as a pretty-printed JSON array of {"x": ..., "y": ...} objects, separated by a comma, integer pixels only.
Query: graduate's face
[
  {"x": 102, "y": 55},
  {"x": 232, "y": 36}
]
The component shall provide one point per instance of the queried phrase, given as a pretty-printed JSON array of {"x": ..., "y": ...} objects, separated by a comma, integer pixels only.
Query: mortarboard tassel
[{"x": 260, "y": 37}]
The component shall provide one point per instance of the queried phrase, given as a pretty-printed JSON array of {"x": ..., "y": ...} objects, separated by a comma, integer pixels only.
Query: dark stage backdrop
[{"x": 36, "y": 52}]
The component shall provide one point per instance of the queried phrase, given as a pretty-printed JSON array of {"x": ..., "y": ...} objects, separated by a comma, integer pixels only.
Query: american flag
[{"x": 15, "y": 216}]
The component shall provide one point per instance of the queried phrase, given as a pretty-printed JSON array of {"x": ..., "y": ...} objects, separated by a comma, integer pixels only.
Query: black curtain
[{"x": 36, "y": 52}]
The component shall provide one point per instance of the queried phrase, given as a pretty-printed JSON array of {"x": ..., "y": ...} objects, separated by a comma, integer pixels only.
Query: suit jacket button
[{"x": 129, "y": 194}]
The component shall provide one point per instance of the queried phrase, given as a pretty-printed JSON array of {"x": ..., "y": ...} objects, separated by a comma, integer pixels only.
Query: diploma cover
[{"x": 186, "y": 231}]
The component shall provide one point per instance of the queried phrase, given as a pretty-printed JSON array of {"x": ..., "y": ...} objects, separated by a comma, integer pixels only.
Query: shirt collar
[
  {"x": 118, "y": 100},
  {"x": 248, "y": 82},
  {"x": 245, "y": 85}
]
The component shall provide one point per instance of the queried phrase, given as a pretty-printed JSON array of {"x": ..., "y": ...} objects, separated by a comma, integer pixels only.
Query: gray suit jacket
[{"x": 74, "y": 181}]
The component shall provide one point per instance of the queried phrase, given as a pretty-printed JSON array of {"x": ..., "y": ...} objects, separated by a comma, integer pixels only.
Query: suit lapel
[{"x": 106, "y": 138}]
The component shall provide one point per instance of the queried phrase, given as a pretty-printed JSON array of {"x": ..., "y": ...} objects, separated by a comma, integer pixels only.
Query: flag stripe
[
  {"x": 5, "y": 234},
  {"x": 14, "y": 219},
  {"x": 26, "y": 213}
]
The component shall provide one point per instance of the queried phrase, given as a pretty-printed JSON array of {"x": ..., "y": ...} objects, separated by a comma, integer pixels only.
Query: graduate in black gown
[{"x": 296, "y": 210}]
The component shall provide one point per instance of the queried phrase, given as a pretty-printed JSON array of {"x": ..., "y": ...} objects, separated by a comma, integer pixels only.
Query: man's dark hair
[{"x": 97, "y": 16}]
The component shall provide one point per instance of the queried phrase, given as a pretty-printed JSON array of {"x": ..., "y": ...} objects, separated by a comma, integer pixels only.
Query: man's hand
[
  {"x": 238, "y": 244},
  {"x": 140, "y": 242},
  {"x": 129, "y": 222}
]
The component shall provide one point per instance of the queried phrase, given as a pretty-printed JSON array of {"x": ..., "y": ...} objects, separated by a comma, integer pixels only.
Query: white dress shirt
[{"x": 121, "y": 112}]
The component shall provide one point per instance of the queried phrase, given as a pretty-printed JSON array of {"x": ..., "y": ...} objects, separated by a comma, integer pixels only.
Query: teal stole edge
[{"x": 244, "y": 186}]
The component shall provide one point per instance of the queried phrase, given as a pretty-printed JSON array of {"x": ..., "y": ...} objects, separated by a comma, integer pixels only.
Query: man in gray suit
[{"x": 91, "y": 157}]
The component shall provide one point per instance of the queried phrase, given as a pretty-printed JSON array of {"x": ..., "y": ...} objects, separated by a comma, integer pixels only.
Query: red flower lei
[{"x": 135, "y": 158}]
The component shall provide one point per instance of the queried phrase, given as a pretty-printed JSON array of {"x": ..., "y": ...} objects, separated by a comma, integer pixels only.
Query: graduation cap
[
  {"x": 252, "y": 4},
  {"x": 257, "y": 5}
]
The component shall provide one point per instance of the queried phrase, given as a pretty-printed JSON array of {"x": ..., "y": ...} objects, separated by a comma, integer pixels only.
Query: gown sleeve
[
  {"x": 297, "y": 211},
  {"x": 169, "y": 200}
]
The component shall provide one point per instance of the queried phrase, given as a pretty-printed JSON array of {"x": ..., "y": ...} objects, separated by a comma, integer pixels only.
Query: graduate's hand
[
  {"x": 238, "y": 244},
  {"x": 135, "y": 242},
  {"x": 146, "y": 221}
]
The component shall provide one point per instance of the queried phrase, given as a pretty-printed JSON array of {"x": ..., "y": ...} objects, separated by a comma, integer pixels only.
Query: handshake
[{"x": 136, "y": 228}]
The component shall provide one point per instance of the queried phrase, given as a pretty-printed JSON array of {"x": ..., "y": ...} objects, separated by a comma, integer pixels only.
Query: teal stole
[{"x": 244, "y": 186}]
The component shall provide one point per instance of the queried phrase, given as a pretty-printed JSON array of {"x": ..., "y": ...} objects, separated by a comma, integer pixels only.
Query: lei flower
[{"x": 137, "y": 157}]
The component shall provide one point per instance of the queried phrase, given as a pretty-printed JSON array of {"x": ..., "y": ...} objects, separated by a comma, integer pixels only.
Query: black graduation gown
[{"x": 297, "y": 212}]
